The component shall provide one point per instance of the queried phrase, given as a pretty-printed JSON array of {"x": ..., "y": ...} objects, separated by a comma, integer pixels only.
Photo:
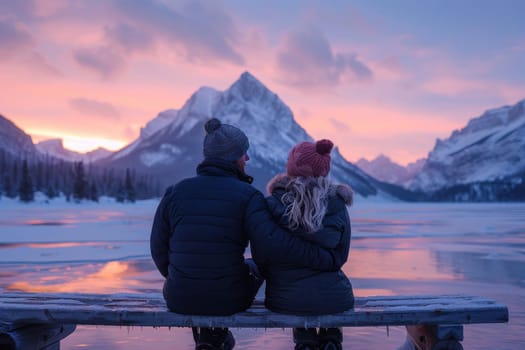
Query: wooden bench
[{"x": 40, "y": 321}]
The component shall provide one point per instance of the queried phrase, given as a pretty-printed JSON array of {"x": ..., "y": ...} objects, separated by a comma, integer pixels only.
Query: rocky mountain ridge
[{"x": 174, "y": 151}]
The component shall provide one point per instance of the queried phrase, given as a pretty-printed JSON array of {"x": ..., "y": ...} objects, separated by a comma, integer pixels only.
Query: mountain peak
[
  {"x": 55, "y": 148},
  {"x": 52, "y": 142},
  {"x": 382, "y": 158},
  {"x": 249, "y": 77},
  {"x": 249, "y": 88},
  {"x": 384, "y": 169},
  {"x": 13, "y": 139}
]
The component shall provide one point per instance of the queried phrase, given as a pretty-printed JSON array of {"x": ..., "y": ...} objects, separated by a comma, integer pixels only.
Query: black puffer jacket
[
  {"x": 200, "y": 231},
  {"x": 295, "y": 289}
]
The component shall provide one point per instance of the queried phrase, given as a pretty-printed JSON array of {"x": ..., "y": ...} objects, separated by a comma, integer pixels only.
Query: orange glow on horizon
[
  {"x": 111, "y": 277},
  {"x": 76, "y": 143}
]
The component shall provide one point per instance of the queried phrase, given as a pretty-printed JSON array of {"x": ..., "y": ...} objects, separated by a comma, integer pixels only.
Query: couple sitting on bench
[{"x": 299, "y": 238}]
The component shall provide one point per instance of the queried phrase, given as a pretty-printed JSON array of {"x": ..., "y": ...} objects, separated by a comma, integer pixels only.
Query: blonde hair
[{"x": 306, "y": 202}]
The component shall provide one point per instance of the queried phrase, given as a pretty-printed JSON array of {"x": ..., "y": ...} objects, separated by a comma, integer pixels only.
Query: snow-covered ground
[{"x": 397, "y": 248}]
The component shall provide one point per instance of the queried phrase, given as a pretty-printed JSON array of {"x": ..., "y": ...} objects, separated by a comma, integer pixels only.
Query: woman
[{"x": 305, "y": 201}]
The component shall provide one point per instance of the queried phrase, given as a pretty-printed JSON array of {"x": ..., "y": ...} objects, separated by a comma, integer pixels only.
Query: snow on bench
[{"x": 24, "y": 316}]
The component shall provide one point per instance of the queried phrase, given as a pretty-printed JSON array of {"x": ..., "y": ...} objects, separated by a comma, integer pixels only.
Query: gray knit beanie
[{"x": 224, "y": 141}]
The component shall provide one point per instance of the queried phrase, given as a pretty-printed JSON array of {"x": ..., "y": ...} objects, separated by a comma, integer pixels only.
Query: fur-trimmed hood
[{"x": 344, "y": 191}]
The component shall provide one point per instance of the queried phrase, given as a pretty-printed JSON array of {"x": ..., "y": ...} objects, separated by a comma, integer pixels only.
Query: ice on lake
[{"x": 397, "y": 248}]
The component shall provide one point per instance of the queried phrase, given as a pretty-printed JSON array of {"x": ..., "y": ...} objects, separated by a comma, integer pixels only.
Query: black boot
[
  {"x": 330, "y": 339},
  {"x": 305, "y": 338},
  {"x": 213, "y": 339}
]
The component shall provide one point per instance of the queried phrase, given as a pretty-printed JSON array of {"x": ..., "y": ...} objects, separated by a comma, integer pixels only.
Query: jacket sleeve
[
  {"x": 344, "y": 244},
  {"x": 337, "y": 230},
  {"x": 160, "y": 236},
  {"x": 270, "y": 243}
]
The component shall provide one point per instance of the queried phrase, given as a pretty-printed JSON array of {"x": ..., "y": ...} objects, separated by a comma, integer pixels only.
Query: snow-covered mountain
[
  {"x": 14, "y": 140},
  {"x": 154, "y": 125},
  {"x": 384, "y": 169},
  {"x": 490, "y": 149},
  {"x": 55, "y": 148},
  {"x": 173, "y": 151}
]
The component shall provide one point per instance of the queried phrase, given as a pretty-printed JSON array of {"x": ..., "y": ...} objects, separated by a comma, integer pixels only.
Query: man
[{"x": 202, "y": 227}]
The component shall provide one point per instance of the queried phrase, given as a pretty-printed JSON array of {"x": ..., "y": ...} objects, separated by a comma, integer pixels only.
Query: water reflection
[
  {"x": 45, "y": 245},
  {"x": 48, "y": 223},
  {"x": 395, "y": 265},
  {"x": 388, "y": 226},
  {"x": 111, "y": 277},
  {"x": 481, "y": 268}
]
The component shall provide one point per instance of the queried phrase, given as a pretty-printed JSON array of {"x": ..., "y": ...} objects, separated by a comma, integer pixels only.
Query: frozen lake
[{"x": 397, "y": 248}]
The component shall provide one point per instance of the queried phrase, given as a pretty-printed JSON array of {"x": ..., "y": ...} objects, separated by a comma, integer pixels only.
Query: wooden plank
[
  {"x": 150, "y": 310},
  {"x": 36, "y": 337}
]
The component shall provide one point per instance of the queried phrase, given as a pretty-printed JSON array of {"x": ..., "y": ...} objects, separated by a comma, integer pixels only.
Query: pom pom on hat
[
  {"x": 212, "y": 125},
  {"x": 310, "y": 159},
  {"x": 324, "y": 147},
  {"x": 224, "y": 141}
]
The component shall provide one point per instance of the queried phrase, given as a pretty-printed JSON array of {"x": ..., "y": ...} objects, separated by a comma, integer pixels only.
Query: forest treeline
[{"x": 22, "y": 177}]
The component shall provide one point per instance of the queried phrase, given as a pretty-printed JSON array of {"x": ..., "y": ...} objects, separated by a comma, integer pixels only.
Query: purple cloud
[
  {"x": 17, "y": 43},
  {"x": 307, "y": 60},
  {"x": 39, "y": 63},
  {"x": 94, "y": 108},
  {"x": 129, "y": 38},
  {"x": 18, "y": 8},
  {"x": 103, "y": 60},
  {"x": 200, "y": 31},
  {"x": 109, "y": 58},
  {"x": 197, "y": 32},
  {"x": 14, "y": 37}
]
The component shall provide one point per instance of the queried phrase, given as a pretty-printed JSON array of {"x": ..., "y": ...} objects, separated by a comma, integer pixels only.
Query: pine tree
[
  {"x": 25, "y": 189},
  {"x": 121, "y": 193},
  {"x": 80, "y": 183},
  {"x": 129, "y": 189},
  {"x": 39, "y": 176},
  {"x": 14, "y": 177},
  {"x": 9, "y": 188},
  {"x": 50, "y": 192},
  {"x": 93, "y": 193}
]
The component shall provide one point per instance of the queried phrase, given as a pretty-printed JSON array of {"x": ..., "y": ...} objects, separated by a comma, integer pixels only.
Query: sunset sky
[{"x": 374, "y": 76}]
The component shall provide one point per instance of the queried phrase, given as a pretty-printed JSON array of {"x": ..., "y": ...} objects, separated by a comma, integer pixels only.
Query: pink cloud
[
  {"x": 511, "y": 93},
  {"x": 49, "y": 8},
  {"x": 454, "y": 86},
  {"x": 391, "y": 68},
  {"x": 129, "y": 38},
  {"x": 451, "y": 85},
  {"x": 15, "y": 37},
  {"x": 198, "y": 31},
  {"x": 95, "y": 109},
  {"x": 103, "y": 60},
  {"x": 345, "y": 17},
  {"x": 306, "y": 60},
  {"x": 40, "y": 64},
  {"x": 18, "y": 46}
]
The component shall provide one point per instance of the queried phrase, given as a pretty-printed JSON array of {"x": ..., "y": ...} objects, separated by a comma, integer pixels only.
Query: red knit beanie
[{"x": 310, "y": 159}]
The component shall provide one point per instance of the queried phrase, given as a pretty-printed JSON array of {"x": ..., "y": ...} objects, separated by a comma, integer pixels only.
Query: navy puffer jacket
[
  {"x": 201, "y": 229},
  {"x": 295, "y": 289}
]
